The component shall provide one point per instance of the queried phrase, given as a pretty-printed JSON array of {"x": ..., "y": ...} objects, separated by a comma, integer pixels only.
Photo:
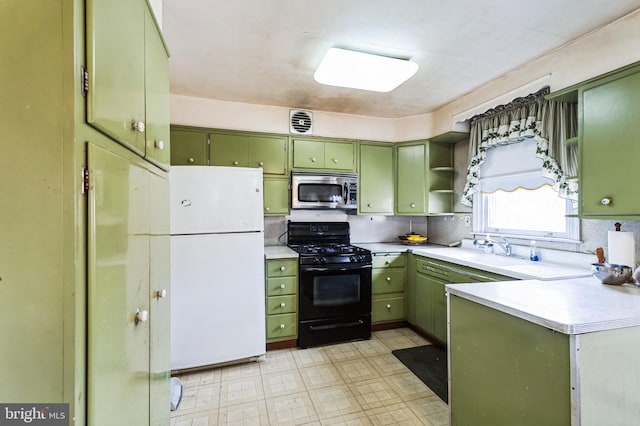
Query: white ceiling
[{"x": 266, "y": 51}]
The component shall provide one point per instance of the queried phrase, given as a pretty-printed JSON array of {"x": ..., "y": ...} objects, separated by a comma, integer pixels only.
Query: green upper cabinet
[
  {"x": 376, "y": 179},
  {"x": 610, "y": 145},
  {"x": 157, "y": 149},
  {"x": 440, "y": 180},
  {"x": 249, "y": 150},
  {"x": 115, "y": 63},
  {"x": 189, "y": 147},
  {"x": 319, "y": 154},
  {"x": 128, "y": 73},
  {"x": 411, "y": 182},
  {"x": 276, "y": 196},
  {"x": 424, "y": 178}
]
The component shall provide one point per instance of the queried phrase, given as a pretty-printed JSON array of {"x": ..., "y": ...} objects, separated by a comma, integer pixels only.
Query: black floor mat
[{"x": 429, "y": 363}]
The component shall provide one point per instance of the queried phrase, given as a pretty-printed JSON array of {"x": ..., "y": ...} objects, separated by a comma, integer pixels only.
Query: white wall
[
  {"x": 611, "y": 47},
  {"x": 263, "y": 118},
  {"x": 601, "y": 51},
  {"x": 156, "y": 6}
]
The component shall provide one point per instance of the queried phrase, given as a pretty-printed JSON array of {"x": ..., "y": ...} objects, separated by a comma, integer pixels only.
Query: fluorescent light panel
[{"x": 347, "y": 68}]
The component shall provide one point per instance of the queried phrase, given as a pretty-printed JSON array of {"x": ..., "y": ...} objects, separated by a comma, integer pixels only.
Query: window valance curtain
[{"x": 549, "y": 123}]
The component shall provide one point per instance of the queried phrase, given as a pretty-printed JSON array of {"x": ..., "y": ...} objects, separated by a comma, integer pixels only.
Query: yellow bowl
[{"x": 418, "y": 238}]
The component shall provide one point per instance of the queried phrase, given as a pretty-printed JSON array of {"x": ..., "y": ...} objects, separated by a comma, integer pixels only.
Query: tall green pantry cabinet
[{"x": 83, "y": 282}]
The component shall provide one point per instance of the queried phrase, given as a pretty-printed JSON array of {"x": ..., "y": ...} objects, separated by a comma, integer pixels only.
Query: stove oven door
[{"x": 335, "y": 291}]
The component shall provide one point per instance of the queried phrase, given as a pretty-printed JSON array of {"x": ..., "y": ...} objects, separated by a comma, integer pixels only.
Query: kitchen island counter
[
  {"x": 558, "y": 352},
  {"x": 574, "y": 306}
]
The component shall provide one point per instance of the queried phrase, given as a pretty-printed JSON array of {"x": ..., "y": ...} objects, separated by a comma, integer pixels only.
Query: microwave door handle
[{"x": 345, "y": 193}]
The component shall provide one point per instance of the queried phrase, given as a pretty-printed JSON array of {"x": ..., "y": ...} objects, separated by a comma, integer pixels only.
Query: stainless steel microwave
[{"x": 310, "y": 190}]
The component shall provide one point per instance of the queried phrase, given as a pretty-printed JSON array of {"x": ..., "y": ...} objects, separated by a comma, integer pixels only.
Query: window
[{"x": 515, "y": 199}]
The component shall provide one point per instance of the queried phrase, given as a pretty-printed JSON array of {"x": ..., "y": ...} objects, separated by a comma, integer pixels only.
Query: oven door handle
[
  {"x": 327, "y": 269},
  {"x": 337, "y": 325}
]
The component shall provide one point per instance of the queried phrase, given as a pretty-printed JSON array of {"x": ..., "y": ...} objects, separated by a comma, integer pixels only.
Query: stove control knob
[
  {"x": 323, "y": 260},
  {"x": 352, "y": 259}
]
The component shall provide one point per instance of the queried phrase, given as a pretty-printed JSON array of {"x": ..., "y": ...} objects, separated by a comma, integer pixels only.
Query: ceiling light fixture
[{"x": 347, "y": 68}]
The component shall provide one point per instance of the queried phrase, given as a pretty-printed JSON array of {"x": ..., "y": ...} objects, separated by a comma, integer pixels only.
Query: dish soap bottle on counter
[{"x": 533, "y": 256}]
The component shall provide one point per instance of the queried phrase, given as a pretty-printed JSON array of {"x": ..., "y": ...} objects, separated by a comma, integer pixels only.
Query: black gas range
[{"x": 334, "y": 287}]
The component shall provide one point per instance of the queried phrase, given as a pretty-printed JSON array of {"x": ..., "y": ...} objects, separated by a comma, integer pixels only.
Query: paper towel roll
[{"x": 622, "y": 248}]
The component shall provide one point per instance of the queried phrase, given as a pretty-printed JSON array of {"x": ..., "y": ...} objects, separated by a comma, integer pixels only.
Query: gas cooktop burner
[
  {"x": 315, "y": 254},
  {"x": 332, "y": 249}
]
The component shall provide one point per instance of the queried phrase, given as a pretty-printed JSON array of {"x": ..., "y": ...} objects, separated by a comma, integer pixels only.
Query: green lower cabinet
[
  {"x": 282, "y": 327},
  {"x": 506, "y": 371},
  {"x": 387, "y": 309},
  {"x": 431, "y": 311},
  {"x": 282, "y": 304},
  {"x": 427, "y": 300},
  {"x": 279, "y": 286},
  {"x": 388, "y": 287},
  {"x": 282, "y": 299},
  {"x": 276, "y": 196}
]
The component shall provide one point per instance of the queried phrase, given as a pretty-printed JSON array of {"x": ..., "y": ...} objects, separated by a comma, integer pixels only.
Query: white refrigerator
[{"x": 217, "y": 265}]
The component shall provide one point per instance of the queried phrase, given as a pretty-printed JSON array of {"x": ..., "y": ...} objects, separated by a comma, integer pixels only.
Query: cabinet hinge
[
  {"x": 84, "y": 83},
  {"x": 85, "y": 180}
]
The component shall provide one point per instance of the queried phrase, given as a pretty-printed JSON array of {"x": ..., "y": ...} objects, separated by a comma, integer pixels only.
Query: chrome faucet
[{"x": 503, "y": 243}]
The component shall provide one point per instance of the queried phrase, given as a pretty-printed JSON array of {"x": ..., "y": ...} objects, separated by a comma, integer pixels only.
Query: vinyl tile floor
[{"x": 354, "y": 383}]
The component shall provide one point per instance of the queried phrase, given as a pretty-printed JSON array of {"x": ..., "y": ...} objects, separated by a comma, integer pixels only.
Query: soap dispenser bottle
[{"x": 533, "y": 256}]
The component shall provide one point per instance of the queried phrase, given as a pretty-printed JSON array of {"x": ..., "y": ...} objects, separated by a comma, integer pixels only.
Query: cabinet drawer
[
  {"x": 285, "y": 325},
  {"x": 388, "y": 309},
  {"x": 388, "y": 260},
  {"x": 282, "y": 285},
  {"x": 387, "y": 280},
  {"x": 282, "y": 267},
  {"x": 282, "y": 304}
]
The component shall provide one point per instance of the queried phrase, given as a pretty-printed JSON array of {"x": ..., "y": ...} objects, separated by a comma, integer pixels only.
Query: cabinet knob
[
  {"x": 282, "y": 268},
  {"x": 369, "y": 205},
  {"x": 159, "y": 145},
  {"x": 413, "y": 205},
  {"x": 260, "y": 163},
  {"x": 267, "y": 209},
  {"x": 137, "y": 126},
  {"x": 606, "y": 201},
  {"x": 388, "y": 279},
  {"x": 282, "y": 305},
  {"x": 313, "y": 159},
  {"x": 191, "y": 160},
  {"x": 388, "y": 306},
  {"x": 235, "y": 163},
  {"x": 282, "y": 326},
  {"x": 282, "y": 286},
  {"x": 141, "y": 316},
  {"x": 162, "y": 293},
  {"x": 386, "y": 262},
  {"x": 335, "y": 160}
]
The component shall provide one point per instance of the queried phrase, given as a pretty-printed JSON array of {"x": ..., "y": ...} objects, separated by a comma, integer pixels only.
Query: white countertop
[
  {"x": 384, "y": 247},
  {"x": 575, "y": 306},
  {"x": 279, "y": 252},
  {"x": 515, "y": 267}
]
